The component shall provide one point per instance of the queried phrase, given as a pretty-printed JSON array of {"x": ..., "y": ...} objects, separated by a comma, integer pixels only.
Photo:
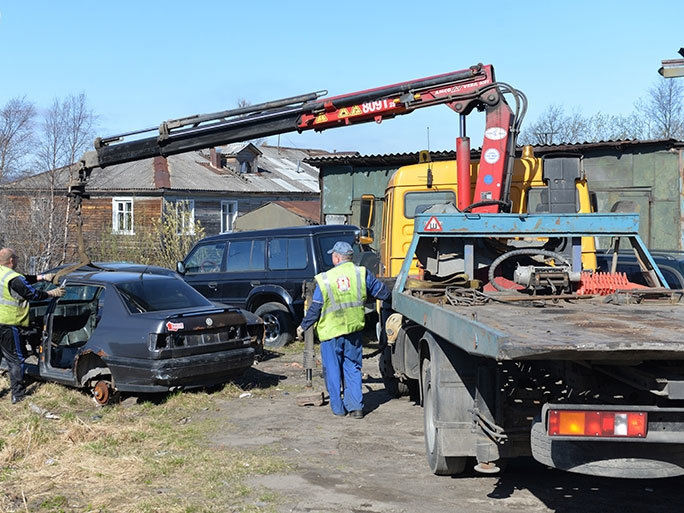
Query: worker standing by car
[
  {"x": 16, "y": 292},
  {"x": 338, "y": 306}
]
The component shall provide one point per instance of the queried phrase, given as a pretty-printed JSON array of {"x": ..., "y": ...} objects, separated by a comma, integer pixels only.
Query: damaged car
[{"x": 138, "y": 332}]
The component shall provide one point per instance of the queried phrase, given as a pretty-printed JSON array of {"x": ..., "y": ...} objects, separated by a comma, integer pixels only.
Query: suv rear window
[{"x": 154, "y": 294}]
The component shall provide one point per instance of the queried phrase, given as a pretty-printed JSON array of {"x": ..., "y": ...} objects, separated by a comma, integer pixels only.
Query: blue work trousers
[
  {"x": 11, "y": 347},
  {"x": 342, "y": 360}
]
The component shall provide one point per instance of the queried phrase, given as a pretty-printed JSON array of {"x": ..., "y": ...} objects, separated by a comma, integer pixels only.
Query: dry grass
[{"x": 144, "y": 457}]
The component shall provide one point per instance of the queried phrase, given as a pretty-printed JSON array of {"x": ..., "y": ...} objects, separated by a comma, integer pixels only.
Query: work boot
[{"x": 356, "y": 414}]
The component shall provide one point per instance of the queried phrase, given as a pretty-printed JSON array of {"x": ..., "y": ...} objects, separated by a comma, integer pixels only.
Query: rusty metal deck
[{"x": 578, "y": 329}]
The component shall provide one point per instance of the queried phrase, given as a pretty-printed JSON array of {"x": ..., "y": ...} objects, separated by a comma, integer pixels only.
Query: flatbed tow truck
[
  {"x": 583, "y": 371},
  {"x": 549, "y": 370}
]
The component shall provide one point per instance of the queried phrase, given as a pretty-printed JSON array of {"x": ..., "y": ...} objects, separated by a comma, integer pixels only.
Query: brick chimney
[
  {"x": 162, "y": 177},
  {"x": 215, "y": 158}
]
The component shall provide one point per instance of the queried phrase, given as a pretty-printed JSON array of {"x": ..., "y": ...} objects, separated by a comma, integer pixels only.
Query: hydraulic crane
[{"x": 462, "y": 91}]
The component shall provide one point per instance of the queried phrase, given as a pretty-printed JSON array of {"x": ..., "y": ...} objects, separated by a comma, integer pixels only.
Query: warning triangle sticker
[{"x": 433, "y": 225}]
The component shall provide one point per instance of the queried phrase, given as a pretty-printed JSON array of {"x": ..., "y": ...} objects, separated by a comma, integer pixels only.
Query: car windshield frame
[{"x": 140, "y": 295}]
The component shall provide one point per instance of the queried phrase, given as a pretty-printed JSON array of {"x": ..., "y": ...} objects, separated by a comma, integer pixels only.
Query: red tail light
[{"x": 614, "y": 424}]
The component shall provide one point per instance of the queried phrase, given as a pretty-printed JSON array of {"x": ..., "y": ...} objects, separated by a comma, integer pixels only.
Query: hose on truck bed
[{"x": 521, "y": 252}]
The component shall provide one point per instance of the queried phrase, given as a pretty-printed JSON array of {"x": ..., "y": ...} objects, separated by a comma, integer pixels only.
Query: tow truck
[
  {"x": 515, "y": 348},
  {"x": 518, "y": 350}
]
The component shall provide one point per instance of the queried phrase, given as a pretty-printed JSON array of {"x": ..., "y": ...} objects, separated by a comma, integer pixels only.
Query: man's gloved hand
[
  {"x": 46, "y": 276},
  {"x": 300, "y": 333},
  {"x": 56, "y": 292}
]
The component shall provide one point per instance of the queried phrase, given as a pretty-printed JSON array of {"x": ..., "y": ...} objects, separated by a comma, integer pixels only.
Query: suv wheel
[{"x": 278, "y": 324}]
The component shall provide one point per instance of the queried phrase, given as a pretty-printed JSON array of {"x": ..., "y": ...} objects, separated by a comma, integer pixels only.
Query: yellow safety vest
[
  {"x": 344, "y": 295},
  {"x": 14, "y": 310}
]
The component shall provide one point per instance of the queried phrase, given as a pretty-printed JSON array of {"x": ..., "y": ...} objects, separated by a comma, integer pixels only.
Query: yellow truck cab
[{"x": 414, "y": 187}]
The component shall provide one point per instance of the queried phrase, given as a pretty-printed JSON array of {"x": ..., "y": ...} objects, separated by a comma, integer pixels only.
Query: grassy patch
[{"x": 148, "y": 457}]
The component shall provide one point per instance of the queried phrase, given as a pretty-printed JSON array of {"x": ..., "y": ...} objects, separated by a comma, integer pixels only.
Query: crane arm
[{"x": 462, "y": 91}]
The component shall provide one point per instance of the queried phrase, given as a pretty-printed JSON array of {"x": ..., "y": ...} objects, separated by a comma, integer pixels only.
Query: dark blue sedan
[{"x": 116, "y": 331}]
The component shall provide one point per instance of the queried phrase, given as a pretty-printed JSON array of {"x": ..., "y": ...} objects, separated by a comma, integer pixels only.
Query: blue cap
[{"x": 341, "y": 248}]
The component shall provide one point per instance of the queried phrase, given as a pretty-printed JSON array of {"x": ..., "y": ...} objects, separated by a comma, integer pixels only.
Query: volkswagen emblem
[{"x": 209, "y": 321}]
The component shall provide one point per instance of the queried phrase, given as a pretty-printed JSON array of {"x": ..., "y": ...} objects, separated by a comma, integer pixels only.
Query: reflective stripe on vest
[
  {"x": 13, "y": 311},
  {"x": 343, "y": 309},
  {"x": 333, "y": 303}
]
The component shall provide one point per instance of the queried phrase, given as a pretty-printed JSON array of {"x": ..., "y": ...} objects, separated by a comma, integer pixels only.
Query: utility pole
[{"x": 673, "y": 68}]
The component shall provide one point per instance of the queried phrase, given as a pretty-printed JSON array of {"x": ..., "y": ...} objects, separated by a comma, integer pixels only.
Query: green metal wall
[
  {"x": 650, "y": 178},
  {"x": 343, "y": 186},
  {"x": 647, "y": 173}
]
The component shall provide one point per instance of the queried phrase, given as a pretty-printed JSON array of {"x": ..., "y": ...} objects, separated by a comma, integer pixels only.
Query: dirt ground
[{"x": 377, "y": 465}]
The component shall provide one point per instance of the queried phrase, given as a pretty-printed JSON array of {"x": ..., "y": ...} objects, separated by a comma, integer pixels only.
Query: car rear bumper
[{"x": 136, "y": 375}]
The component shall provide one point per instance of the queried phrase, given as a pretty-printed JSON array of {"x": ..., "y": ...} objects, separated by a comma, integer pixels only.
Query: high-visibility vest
[
  {"x": 14, "y": 310},
  {"x": 344, "y": 295}
]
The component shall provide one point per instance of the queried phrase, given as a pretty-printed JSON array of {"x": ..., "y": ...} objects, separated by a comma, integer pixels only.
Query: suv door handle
[
  {"x": 212, "y": 285},
  {"x": 254, "y": 283}
]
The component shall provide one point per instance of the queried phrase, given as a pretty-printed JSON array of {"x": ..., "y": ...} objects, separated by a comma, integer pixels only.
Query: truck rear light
[{"x": 597, "y": 423}]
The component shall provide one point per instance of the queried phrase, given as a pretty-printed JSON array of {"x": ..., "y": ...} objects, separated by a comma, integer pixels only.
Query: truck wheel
[
  {"x": 439, "y": 464},
  {"x": 278, "y": 324},
  {"x": 394, "y": 386}
]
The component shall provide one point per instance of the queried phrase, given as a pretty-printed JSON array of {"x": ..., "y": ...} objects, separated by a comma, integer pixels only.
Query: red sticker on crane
[{"x": 433, "y": 225}]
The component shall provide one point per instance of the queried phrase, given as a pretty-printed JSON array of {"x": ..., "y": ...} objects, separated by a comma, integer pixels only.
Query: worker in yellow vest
[
  {"x": 16, "y": 291},
  {"x": 338, "y": 304}
]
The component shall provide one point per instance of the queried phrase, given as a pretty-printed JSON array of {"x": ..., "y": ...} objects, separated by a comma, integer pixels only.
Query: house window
[
  {"x": 122, "y": 215},
  {"x": 184, "y": 212},
  {"x": 229, "y": 212}
]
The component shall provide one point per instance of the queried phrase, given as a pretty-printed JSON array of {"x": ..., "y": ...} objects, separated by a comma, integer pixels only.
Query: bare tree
[
  {"x": 66, "y": 128},
  {"x": 554, "y": 127},
  {"x": 16, "y": 133},
  {"x": 78, "y": 123},
  {"x": 664, "y": 109}
]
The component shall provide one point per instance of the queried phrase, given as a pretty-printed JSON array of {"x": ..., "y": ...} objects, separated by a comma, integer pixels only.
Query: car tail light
[{"x": 615, "y": 424}]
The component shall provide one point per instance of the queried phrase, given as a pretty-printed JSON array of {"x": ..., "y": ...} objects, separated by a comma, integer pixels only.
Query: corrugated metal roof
[
  {"x": 280, "y": 170},
  {"x": 393, "y": 159}
]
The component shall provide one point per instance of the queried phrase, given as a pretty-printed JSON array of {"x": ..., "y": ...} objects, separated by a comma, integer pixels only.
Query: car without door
[{"x": 138, "y": 332}]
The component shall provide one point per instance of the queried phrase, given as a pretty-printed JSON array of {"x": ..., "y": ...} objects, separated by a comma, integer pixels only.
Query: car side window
[
  {"x": 287, "y": 254},
  {"x": 673, "y": 279},
  {"x": 206, "y": 258},
  {"x": 326, "y": 243},
  {"x": 246, "y": 255},
  {"x": 80, "y": 292}
]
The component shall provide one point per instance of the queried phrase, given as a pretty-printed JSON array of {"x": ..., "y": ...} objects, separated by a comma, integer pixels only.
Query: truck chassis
[{"x": 495, "y": 369}]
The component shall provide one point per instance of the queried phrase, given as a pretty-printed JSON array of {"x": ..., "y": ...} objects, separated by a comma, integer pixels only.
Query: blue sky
[{"x": 142, "y": 62}]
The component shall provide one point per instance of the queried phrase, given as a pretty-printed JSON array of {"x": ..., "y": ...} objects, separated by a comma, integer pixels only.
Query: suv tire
[{"x": 279, "y": 324}]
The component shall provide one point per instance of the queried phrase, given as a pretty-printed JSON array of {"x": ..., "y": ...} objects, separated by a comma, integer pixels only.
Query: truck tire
[
  {"x": 278, "y": 324},
  {"x": 394, "y": 386},
  {"x": 439, "y": 464}
]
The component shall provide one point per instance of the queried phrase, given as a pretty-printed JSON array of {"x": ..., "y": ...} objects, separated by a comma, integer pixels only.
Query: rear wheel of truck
[
  {"x": 278, "y": 324},
  {"x": 439, "y": 464},
  {"x": 394, "y": 386}
]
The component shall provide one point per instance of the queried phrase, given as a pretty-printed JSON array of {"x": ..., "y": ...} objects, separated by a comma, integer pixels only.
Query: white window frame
[
  {"x": 116, "y": 228},
  {"x": 185, "y": 229},
  {"x": 234, "y": 205}
]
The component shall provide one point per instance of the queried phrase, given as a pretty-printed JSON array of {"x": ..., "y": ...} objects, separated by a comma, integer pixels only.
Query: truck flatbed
[{"x": 577, "y": 329}]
